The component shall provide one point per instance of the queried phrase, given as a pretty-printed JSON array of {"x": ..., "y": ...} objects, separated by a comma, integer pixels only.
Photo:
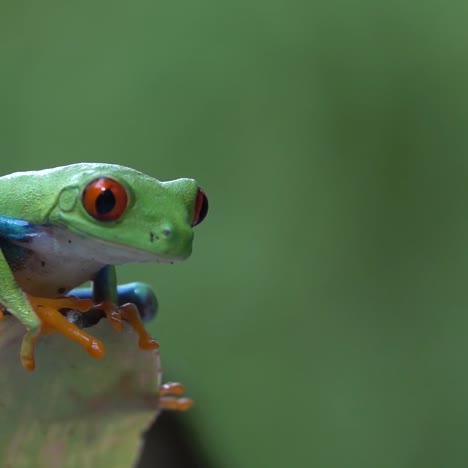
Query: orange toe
[
  {"x": 129, "y": 313},
  {"x": 170, "y": 397}
]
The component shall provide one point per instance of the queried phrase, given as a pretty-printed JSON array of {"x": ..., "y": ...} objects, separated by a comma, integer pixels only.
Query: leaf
[{"x": 73, "y": 410}]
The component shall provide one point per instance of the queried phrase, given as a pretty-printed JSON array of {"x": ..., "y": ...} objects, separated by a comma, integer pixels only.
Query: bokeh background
[{"x": 323, "y": 317}]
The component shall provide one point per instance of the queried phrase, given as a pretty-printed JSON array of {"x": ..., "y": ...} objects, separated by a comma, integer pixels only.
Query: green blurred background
[{"x": 323, "y": 317}]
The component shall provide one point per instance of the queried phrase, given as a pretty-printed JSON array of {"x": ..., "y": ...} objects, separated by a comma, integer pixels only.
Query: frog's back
[
  {"x": 31, "y": 195},
  {"x": 25, "y": 195}
]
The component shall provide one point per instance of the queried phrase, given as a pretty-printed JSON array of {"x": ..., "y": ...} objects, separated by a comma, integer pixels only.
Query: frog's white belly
[{"x": 57, "y": 261}]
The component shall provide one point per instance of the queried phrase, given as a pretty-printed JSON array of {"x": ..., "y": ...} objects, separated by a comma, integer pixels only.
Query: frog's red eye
[
  {"x": 201, "y": 208},
  {"x": 105, "y": 199}
]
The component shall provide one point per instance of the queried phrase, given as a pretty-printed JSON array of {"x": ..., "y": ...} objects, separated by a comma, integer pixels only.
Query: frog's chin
[
  {"x": 113, "y": 253},
  {"x": 168, "y": 259}
]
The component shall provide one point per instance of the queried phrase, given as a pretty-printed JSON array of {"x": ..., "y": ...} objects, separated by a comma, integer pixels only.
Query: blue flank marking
[{"x": 16, "y": 229}]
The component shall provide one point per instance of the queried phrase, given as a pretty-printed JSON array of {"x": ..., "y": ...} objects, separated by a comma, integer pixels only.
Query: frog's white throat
[
  {"x": 59, "y": 260},
  {"x": 61, "y": 242}
]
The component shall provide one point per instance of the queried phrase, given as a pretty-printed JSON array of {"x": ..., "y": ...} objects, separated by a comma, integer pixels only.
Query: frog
[{"x": 65, "y": 227}]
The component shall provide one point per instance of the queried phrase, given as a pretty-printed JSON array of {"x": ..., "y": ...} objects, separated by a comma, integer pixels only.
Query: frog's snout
[
  {"x": 171, "y": 239},
  {"x": 173, "y": 235},
  {"x": 169, "y": 233},
  {"x": 164, "y": 233}
]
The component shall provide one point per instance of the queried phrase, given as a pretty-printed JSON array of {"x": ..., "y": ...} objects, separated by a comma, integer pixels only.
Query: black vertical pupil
[{"x": 105, "y": 202}]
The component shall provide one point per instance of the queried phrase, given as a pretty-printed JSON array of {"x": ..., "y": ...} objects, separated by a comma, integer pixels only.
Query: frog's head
[{"x": 130, "y": 216}]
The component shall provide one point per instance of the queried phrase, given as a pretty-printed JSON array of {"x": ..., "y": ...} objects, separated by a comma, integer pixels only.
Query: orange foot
[
  {"x": 128, "y": 312},
  {"x": 53, "y": 321},
  {"x": 170, "y": 397}
]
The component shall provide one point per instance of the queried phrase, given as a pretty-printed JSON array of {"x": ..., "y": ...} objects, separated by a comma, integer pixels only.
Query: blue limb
[
  {"x": 16, "y": 229},
  {"x": 105, "y": 288}
]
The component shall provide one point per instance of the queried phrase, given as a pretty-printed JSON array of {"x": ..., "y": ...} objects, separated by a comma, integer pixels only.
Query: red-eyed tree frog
[{"x": 62, "y": 227}]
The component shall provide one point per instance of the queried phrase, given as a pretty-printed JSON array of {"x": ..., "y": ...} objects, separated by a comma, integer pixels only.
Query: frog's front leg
[
  {"x": 15, "y": 301},
  {"x": 41, "y": 316},
  {"x": 132, "y": 302}
]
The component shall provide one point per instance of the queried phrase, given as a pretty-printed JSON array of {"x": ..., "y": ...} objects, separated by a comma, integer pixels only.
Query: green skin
[{"x": 50, "y": 244}]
